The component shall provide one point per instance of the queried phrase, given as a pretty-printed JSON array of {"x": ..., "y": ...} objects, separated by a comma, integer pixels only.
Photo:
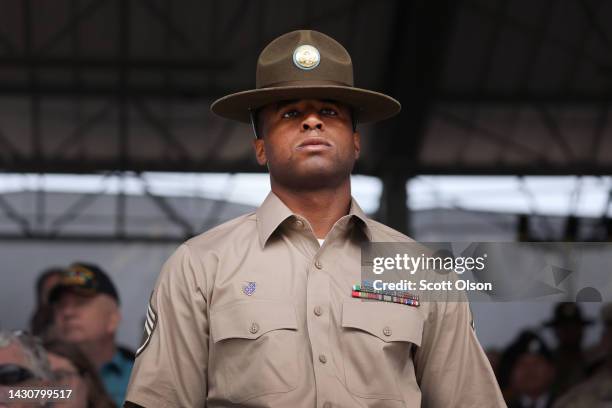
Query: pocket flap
[
  {"x": 250, "y": 319},
  {"x": 387, "y": 321}
]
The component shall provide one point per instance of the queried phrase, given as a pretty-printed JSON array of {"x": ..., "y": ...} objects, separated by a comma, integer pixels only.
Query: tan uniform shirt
[{"x": 255, "y": 313}]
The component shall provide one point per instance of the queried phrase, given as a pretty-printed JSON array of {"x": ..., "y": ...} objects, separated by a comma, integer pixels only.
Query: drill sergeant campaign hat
[
  {"x": 306, "y": 64},
  {"x": 86, "y": 280},
  {"x": 567, "y": 312}
]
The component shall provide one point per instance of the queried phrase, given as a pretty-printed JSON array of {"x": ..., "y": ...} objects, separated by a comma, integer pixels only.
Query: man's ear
[
  {"x": 356, "y": 144},
  {"x": 260, "y": 151},
  {"x": 114, "y": 319}
]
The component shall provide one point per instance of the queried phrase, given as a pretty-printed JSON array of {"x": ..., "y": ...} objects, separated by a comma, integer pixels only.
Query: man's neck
[
  {"x": 322, "y": 208},
  {"x": 99, "y": 353},
  {"x": 570, "y": 349}
]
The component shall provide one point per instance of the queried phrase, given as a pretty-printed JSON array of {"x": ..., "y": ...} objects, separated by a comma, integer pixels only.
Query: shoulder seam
[{"x": 227, "y": 224}]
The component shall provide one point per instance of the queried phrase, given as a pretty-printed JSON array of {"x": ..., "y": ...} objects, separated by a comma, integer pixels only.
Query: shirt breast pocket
[
  {"x": 377, "y": 341},
  {"x": 254, "y": 348}
]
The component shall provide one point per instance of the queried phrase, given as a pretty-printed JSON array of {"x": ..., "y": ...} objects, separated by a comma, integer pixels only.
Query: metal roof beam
[
  {"x": 524, "y": 97},
  {"x": 114, "y": 64}
]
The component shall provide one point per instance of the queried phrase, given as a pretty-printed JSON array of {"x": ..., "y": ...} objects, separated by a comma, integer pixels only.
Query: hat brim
[
  {"x": 554, "y": 323},
  {"x": 57, "y": 292},
  {"x": 370, "y": 106}
]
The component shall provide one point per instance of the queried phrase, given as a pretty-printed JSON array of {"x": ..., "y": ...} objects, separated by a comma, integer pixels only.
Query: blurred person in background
[
  {"x": 599, "y": 354},
  {"x": 86, "y": 312},
  {"x": 23, "y": 363},
  {"x": 570, "y": 360},
  {"x": 530, "y": 374},
  {"x": 41, "y": 323},
  {"x": 72, "y": 370},
  {"x": 597, "y": 390},
  {"x": 494, "y": 356}
]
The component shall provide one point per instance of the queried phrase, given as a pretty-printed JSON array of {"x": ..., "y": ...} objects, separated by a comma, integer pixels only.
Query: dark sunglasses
[{"x": 12, "y": 374}]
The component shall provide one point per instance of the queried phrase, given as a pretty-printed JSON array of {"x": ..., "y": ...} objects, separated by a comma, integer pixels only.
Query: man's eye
[
  {"x": 290, "y": 114},
  {"x": 329, "y": 112}
]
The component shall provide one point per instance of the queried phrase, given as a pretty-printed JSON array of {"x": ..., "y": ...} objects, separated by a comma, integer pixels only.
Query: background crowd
[
  {"x": 532, "y": 374},
  {"x": 72, "y": 345}
]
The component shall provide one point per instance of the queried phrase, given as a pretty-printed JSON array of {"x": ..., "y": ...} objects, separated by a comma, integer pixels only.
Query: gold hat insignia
[{"x": 306, "y": 57}]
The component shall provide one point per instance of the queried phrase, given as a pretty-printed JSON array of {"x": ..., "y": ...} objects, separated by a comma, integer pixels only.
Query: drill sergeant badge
[{"x": 306, "y": 57}]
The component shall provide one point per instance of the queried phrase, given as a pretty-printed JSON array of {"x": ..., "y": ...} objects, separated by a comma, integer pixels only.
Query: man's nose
[
  {"x": 312, "y": 121},
  {"x": 65, "y": 310}
]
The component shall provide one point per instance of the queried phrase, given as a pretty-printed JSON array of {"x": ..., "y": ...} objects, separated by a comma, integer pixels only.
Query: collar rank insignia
[
  {"x": 249, "y": 288},
  {"x": 366, "y": 291}
]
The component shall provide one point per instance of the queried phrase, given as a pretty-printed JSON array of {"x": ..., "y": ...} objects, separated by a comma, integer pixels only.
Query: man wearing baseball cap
[
  {"x": 258, "y": 312},
  {"x": 86, "y": 311}
]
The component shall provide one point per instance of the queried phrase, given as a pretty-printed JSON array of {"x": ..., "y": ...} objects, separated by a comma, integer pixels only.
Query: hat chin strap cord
[
  {"x": 253, "y": 117},
  {"x": 253, "y": 122}
]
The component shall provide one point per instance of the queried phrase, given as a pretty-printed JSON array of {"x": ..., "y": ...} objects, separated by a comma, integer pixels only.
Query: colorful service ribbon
[{"x": 368, "y": 292}]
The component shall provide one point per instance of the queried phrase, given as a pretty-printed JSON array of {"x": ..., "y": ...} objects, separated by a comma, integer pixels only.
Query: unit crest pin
[{"x": 306, "y": 57}]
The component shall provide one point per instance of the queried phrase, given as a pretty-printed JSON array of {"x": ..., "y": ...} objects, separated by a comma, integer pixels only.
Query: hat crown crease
[{"x": 275, "y": 63}]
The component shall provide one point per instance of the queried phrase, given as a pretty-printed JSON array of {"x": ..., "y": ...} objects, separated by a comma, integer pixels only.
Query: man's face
[
  {"x": 86, "y": 318},
  {"x": 67, "y": 376},
  {"x": 307, "y": 144},
  {"x": 569, "y": 334},
  {"x": 532, "y": 374}
]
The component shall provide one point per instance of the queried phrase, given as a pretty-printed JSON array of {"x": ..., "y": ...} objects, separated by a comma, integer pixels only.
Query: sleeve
[
  {"x": 451, "y": 368},
  {"x": 170, "y": 369}
]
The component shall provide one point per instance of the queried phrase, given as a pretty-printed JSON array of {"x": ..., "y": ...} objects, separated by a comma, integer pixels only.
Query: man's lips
[{"x": 314, "y": 143}]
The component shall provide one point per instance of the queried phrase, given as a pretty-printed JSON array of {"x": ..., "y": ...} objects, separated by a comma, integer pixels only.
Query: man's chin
[
  {"x": 313, "y": 176},
  {"x": 75, "y": 336}
]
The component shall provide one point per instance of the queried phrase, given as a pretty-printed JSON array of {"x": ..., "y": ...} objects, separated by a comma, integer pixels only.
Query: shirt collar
[
  {"x": 273, "y": 212},
  {"x": 115, "y": 364},
  {"x": 357, "y": 212}
]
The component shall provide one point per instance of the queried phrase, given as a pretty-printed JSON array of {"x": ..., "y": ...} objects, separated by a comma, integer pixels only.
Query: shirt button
[
  {"x": 387, "y": 331},
  {"x": 318, "y": 310},
  {"x": 299, "y": 224},
  {"x": 327, "y": 405},
  {"x": 322, "y": 358},
  {"x": 254, "y": 328},
  {"x": 318, "y": 264}
]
